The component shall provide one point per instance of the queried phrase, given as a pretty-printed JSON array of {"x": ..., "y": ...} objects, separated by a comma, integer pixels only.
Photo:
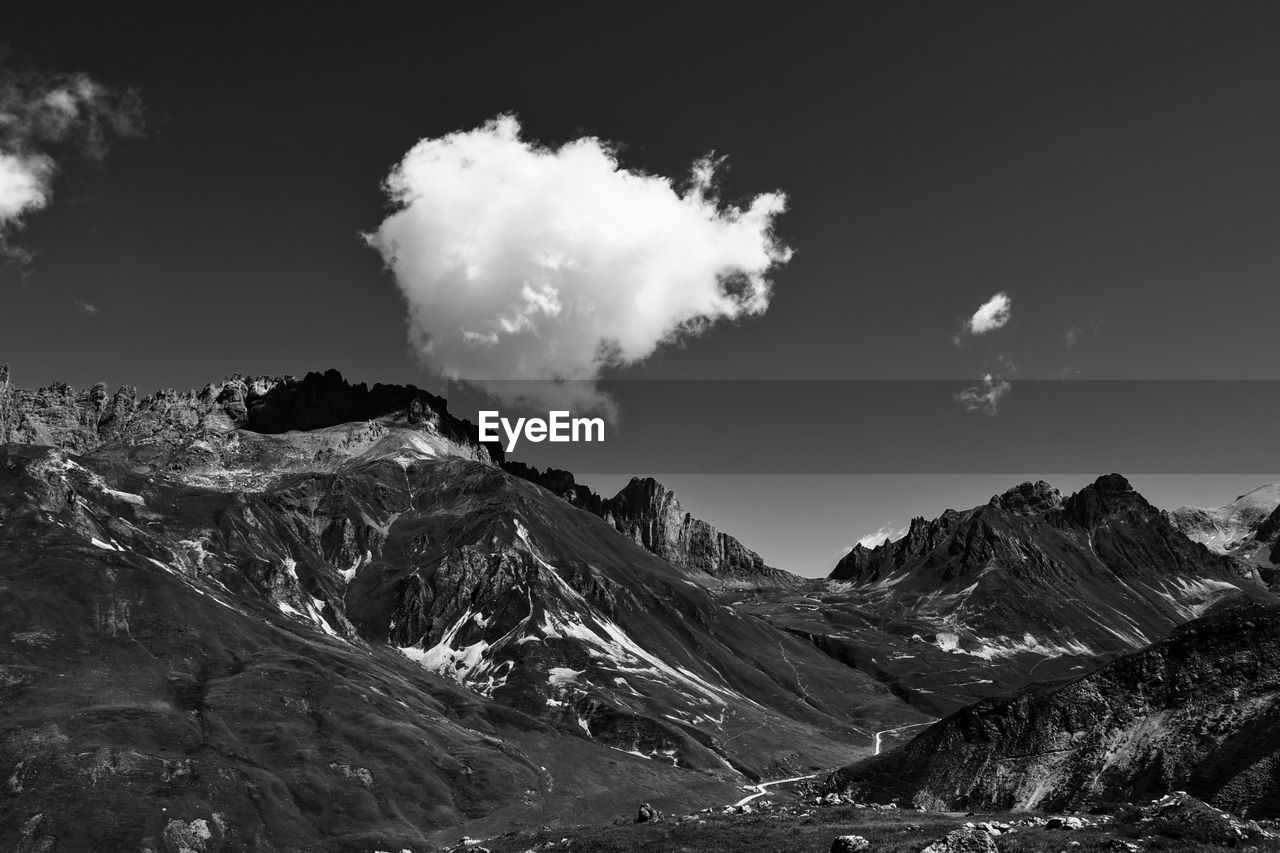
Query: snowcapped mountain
[{"x": 1223, "y": 529}]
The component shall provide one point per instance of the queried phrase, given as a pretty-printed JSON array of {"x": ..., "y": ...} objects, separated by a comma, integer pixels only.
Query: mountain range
[{"x": 287, "y": 614}]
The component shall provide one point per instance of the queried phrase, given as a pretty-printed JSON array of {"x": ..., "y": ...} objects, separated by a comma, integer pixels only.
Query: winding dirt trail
[
  {"x": 898, "y": 729},
  {"x": 763, "y": 787}
]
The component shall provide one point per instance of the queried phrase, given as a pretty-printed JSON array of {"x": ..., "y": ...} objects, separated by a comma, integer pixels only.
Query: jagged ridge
[
  {"x": 649, "y": 514},
  {"x": 59, "y": 416}
]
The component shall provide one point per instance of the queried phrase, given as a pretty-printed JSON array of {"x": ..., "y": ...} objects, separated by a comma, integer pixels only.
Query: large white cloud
[
  {"x": 523, "y": 262},
  {"x": 43, "y": 115}
]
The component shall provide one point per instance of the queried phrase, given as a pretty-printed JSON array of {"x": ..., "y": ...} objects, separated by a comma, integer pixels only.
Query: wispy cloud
[
  {"x": 524, "y": 262},
  {"x": 985, "y": 396},
  {"x": 886, "y": 532},
  {"x": 44, "y": 118},
  {"x": 1074, "y": 334},
  {"x": 86, "y": 307}
]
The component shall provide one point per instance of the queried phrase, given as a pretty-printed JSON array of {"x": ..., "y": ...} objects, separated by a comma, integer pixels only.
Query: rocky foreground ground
[{"x": 799, "y": 823}]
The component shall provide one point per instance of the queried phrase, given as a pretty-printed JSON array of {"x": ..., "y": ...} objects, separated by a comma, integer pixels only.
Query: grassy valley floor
[{"x": 811, "y": 829}]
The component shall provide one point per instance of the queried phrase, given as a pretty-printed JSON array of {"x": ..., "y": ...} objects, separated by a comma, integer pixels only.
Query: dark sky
[{"x": 1112, "y": 166}]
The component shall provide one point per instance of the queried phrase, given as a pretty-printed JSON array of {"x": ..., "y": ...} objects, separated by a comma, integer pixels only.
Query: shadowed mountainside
[{"x": 1199, "y": 711}]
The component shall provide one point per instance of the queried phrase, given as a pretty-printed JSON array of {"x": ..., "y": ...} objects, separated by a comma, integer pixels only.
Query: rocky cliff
[
  {"x": 1198, "y": 711},
  {"x": 651, "y": 515}
]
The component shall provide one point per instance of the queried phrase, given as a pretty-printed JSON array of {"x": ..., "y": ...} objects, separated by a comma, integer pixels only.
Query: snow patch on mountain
[{"x": 1004, "y": 646}]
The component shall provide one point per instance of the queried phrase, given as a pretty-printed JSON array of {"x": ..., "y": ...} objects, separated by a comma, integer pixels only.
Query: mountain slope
[
  {"x": 1199, "y": 711},
  {"x": 361, "y": 634},
  {"x": 139, "y": 689}
]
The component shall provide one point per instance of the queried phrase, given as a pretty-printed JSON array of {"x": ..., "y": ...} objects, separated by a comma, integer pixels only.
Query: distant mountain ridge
[
  {"x": 1223, "y": 528},
  {"x": 1030, "y": 586},
  {"x": 651, "y": 515},
  {"x": 59, "y": 416},
  {"x": 1032, "y": 560},
  {"x": 1247, "y": 530}
]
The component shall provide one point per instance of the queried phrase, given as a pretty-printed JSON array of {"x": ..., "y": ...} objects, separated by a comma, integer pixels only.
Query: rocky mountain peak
[
  {"x": 1029, "y": 498},
  {"x": 1109, "y": 496},
  {"x": 650, "y": 515}
]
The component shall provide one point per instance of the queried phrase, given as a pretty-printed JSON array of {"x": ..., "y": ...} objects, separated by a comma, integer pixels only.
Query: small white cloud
[
  {"x": 86, "y": 307},
  {"x": 985, "y": 396},
  {"x": 993, "y": 314},
  {"x": 886, "y": 533},
  {"x": 524, "y": 262},
  {"x": 1073, "y": 335}
]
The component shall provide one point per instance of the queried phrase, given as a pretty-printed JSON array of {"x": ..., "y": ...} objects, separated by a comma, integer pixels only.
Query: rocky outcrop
[
  {"x": 560, "y": 483},
  {"x": 60, "y": 416},
  {"x": 964, "y": 840},
  {"x": 1029, "y": 499},
  {"x": 651, "y": 515},
  {"x": 1199, "y": 711},
  {"x": 1182, "y": 817}
]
